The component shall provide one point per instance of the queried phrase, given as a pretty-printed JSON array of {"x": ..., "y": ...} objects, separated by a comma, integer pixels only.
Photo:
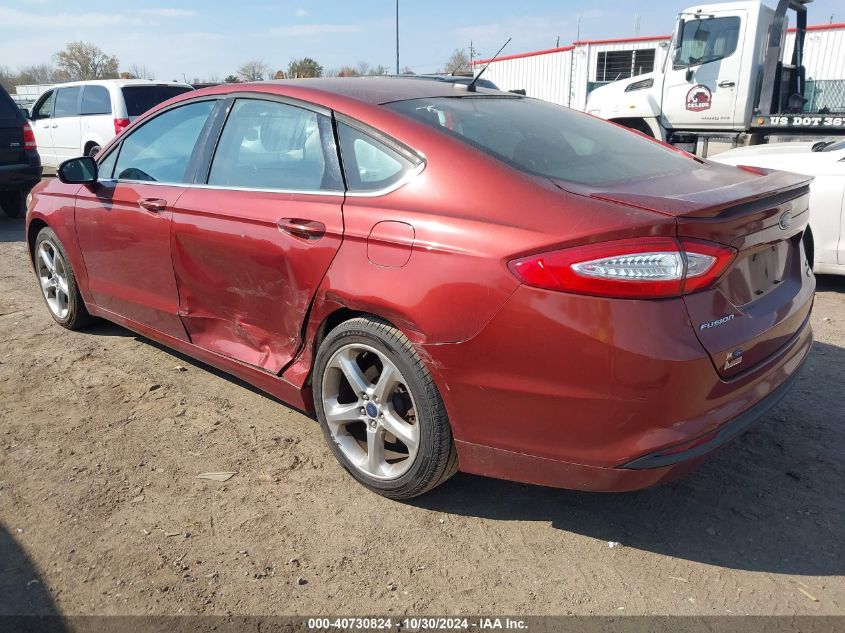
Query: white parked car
[
  {"x": 825, "y": 238},
  {"x": 75, "y": 119}
]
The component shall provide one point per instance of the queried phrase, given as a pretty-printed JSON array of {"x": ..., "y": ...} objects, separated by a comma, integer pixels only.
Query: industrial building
[{"x": 567, "y": 74}]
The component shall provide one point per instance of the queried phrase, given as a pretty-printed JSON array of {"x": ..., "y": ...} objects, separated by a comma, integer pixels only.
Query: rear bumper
[
  {"x": 21, "y": 175},
  {"x": 711, "y": 442},
  {"x": 593, "y": 394}
]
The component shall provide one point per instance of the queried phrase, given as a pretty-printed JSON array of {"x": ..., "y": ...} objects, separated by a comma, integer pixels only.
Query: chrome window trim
[
  {"x": 414, "y": 155},
  {"x": 362, "y": 194}
]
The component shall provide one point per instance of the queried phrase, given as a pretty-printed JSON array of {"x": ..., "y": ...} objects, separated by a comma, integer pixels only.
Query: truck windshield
[
  {"x": 706, "y": 40},
  {"x": 545, "y": 139}
]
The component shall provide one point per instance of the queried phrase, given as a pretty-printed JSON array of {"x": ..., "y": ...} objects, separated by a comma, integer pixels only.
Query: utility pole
[
  {"x": 471, "y": 54},
  {"x": 397, "y": 37}
]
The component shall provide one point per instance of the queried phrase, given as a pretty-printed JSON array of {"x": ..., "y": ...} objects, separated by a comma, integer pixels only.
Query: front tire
[
  {"x": 381, "y": 413},
  {"x": 13, "y": 203},
  {"x": 58, "y": 283},
  {"x": 93, "y": 151}
]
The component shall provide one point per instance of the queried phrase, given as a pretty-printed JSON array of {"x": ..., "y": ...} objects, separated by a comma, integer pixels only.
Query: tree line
[{"x": 82, "y": 61}]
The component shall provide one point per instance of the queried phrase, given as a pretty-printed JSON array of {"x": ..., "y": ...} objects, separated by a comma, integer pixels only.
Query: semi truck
[{"x": 726, "y": 77}]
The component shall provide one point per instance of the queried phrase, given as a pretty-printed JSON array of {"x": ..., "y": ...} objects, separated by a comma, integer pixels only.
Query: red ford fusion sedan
[{"x": 451, "y": 279}]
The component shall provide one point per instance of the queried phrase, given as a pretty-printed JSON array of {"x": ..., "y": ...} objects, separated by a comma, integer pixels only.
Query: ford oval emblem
[{"x": 785, "y": 220}]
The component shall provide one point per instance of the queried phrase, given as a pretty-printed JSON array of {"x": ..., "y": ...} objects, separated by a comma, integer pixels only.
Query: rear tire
[
  {"x": 93, "y": 151},
  {"x": 808, "y": 246},
  {"x": 13, "y": 203},
  {"x": 381, "y": 413},
  {"x": 58, "y": 283}
]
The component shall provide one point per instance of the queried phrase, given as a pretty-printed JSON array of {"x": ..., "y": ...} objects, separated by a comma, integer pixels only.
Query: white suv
[{"x": 76, "y": 119}]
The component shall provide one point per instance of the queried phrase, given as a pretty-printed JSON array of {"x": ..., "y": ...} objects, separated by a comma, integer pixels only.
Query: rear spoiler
[{"x": 657, "y": 196}]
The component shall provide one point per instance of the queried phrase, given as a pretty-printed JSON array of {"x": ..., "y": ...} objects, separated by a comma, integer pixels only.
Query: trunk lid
[{"x": 764, "y": 298}]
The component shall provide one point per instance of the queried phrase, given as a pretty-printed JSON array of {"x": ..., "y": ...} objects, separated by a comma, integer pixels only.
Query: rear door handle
[
  {"x": 156, "y": 205},
  {"x": 302, "y": 228},
  {"x": 727, "y": 83}
]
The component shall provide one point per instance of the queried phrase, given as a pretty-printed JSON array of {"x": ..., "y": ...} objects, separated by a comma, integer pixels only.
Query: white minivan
[{"x": 76, "y": 119}]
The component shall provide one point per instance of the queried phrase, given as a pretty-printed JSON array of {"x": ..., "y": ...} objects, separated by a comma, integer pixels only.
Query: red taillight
[
  {"x": 28, "y": 137},
  {"x": 120, "y": 125},
  {"x": 644, "y": 268}
]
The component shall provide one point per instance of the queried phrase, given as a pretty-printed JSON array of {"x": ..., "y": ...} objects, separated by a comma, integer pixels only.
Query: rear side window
[
  {"x": 547, "y": 140},
  {"x": 271, "y": 145},
  {"x": 370, "y": 164},
  {"x": 139, "y": 99},
  {"x": 67, "y": 101},
  {"x": 96, "y": 100},
  {"x": 8, "y": 109},
  {"x": 161, "y": 149}
]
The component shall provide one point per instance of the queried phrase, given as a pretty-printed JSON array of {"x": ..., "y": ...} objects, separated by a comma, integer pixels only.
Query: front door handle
[
  {"x": 302, "y": 228},
  {"x": 156, "y": 205},
  {"x": 727, "y": 83}
]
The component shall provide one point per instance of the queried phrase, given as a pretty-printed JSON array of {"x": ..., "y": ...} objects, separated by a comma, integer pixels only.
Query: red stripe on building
[
  {"x": 625, "y": 40},
  {"x": 561, "y": 49}
]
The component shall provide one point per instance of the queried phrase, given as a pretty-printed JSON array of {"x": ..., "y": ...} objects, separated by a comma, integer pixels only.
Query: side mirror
[
  {"x": 25, "y": 113},
  {"x": 78, "y": 171}
]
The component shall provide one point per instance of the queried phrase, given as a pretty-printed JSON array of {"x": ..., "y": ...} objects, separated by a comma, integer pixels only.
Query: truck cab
[{"x": 723, "y": 74}]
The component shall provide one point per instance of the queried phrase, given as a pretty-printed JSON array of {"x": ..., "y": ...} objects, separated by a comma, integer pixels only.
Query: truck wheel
[
  {"x": 380, "y": 411},
  {"x": 635, "y": 124},
  {"x": 13, "y": 203},
  {"x": 58, "y": 283}
]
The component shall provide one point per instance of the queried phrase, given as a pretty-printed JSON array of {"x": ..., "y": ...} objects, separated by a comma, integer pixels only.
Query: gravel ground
[{"x": 102, "y": 434}]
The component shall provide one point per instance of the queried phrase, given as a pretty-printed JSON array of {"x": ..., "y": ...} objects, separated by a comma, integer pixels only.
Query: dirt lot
[{"x": 102, "y": 434}]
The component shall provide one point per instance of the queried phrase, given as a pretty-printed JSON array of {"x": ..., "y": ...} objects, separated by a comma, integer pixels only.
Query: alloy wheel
[
  {"x": 53, "y": 275},
  {"x": 370, "y": 412}
]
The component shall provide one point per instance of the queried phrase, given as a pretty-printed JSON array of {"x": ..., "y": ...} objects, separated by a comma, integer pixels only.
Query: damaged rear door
[{"x": 251, "y": 243}]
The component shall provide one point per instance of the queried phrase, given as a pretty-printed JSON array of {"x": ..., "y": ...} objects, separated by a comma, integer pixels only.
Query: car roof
[
  {"x": 377, "y": 90},
  {"x": 120, "y": 83}
]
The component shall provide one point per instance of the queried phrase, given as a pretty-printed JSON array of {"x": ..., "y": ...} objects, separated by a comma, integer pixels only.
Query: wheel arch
[
  {"x": 336, "y": 317},
  {"x": 32, "y": 231}
]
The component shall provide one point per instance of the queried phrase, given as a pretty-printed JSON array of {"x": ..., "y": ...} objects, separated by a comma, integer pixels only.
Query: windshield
[
  {"x": 547, "y": 140},
  {"x": 706, "y": 40},
  {"x": 139, "y": 99}
]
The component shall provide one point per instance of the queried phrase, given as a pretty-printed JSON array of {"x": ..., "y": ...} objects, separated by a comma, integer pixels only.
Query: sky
[{"x": 209, "y": 40}]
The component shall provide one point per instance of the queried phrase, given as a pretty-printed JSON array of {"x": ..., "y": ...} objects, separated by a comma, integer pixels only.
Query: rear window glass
[
  {"x": 547, "y": 140},
  {"x": 8, "y": 109},
  {"x": 139, "y": 99},
  {"x": 96, "y": 100}
]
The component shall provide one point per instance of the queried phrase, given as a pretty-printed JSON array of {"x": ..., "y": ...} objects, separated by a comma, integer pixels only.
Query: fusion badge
[{"x": 717, "y": 322}]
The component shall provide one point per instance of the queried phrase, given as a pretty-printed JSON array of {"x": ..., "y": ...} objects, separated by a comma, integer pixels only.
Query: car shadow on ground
[
  {"x": 830, "y": 283},
  {"x": 771, "y": 501},
  {"x": 11, "y": 229},
  {"x": 106, "y": 328},
  {"x": 22, "y": 589}
]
